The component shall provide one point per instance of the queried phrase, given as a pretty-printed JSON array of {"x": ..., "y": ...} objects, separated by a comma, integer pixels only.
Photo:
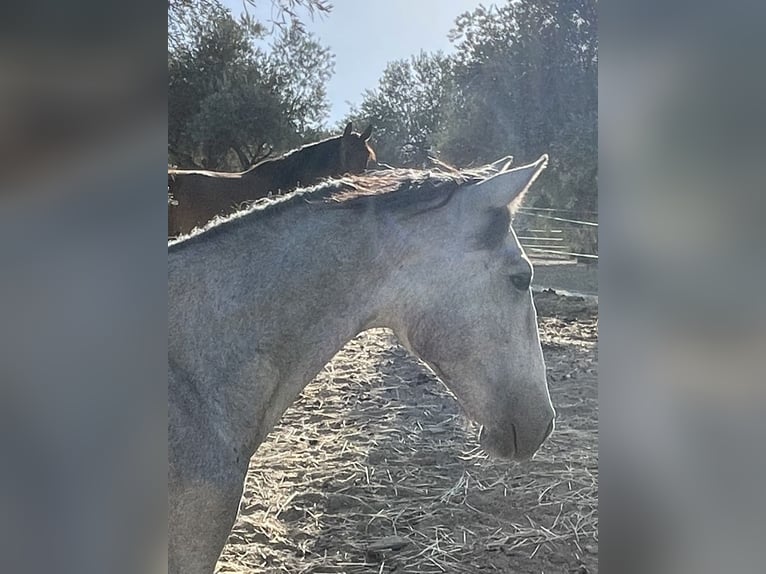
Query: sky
[{"x": 366, "y": 35}]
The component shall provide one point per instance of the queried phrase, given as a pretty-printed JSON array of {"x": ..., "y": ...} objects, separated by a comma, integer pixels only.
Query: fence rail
[{"x": 573, "y": 238}]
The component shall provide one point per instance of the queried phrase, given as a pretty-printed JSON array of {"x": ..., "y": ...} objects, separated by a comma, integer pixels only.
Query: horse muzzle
[{"x": 515, "y": 441}]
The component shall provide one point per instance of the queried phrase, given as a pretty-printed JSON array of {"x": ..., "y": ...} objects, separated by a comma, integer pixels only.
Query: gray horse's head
[{"x": 469, "y": 312}]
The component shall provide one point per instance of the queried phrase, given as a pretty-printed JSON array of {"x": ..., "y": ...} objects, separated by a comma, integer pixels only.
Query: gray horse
[{"x": 259, "y": 303}]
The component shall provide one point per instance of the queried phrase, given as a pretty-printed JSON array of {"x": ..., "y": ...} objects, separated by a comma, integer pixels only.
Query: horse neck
[
  {"x": 303, "y": 168},
  {"x": 267, "y": 318}
]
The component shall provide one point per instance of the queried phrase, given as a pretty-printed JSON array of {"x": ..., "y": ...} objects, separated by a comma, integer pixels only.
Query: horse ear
[
  {"x": 503, "y": 164},
  {"x": 508, "y": 188},
  {"x": 347, "y": 131},
  {"x": 367, "y": 133}
]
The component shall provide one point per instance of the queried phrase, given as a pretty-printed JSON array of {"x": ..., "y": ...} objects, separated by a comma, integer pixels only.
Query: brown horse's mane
[
  {"x": 313, "y": 147},
  {"x": 303, "y": 154},
  {"x": 307, "y": 159}
]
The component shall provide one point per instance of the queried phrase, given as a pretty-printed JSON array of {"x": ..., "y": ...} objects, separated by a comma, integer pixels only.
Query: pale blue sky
[{"x": 365, "y": 35}]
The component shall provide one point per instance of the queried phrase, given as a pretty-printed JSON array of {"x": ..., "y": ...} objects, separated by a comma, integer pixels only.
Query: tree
[
  {"x": 406, "y": 108},
  {"x": 526, "y": 79},
  {"x": 230, "y": 104},
  {"x": 183, "y": 16},
  {"x": 522, "y": 80}
]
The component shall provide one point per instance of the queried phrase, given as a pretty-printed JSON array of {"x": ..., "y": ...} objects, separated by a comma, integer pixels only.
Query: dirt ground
[
  {"x": 374, "y": 470},
  {"x": 570, "y": 276}
]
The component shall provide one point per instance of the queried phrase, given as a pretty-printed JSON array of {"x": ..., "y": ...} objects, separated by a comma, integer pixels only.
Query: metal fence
[{"x": 558, "y": 234}]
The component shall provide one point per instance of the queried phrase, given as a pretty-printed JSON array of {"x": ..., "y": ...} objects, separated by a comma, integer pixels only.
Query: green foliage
[
  {"x": 523, "y": 80},
  {"x": 230, "y": 104},
  {"x": 527, "y": 78},
  {"x": 287, "y": 12},
  {"x": 407, "y": 108},
  {"x": 302, "y": 67},
  {"x": 185, "y": 15}
]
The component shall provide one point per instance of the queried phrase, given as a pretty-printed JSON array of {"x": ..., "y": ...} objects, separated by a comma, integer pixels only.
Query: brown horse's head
[{"x": 355, "y": 152}]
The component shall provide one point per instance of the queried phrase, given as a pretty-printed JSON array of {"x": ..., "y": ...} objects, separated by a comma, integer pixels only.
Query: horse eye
[{"x": 521, "y": 281}]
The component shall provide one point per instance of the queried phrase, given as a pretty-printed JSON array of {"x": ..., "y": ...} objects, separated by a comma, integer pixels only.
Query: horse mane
[
  {"x": 303, "y": 153},
  {"x": 309, "y": 149},
  {"x": 391, "y": 188},
  {"x": 408, "y": 191},
  {"x": 400, "y": 187}
]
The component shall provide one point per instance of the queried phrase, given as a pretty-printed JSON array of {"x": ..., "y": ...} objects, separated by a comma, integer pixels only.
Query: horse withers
[
  {"x": 259, "y": 303},
  {"x": 198, "y": 196}
]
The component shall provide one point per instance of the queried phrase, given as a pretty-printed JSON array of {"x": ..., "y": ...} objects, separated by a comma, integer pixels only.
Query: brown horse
[{"x": 198, "y": 196}]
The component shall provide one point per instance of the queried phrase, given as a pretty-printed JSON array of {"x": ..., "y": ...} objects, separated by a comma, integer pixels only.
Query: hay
[{"x": 373, "y": 470}]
